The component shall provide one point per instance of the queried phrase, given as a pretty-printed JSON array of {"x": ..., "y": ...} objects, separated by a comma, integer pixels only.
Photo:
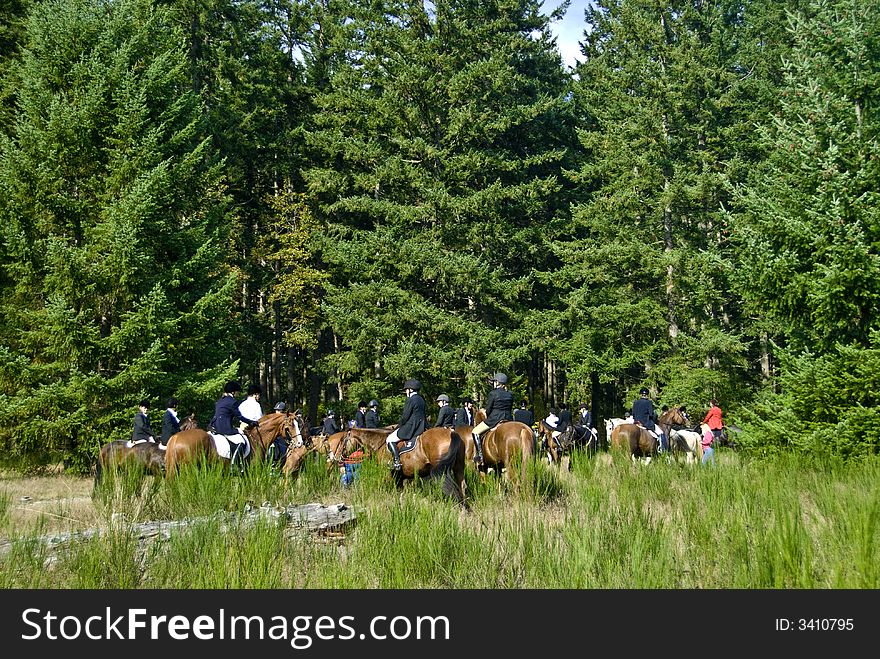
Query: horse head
[
  {"x": 673, "y": 419},
  {"x": 295, "y": 430}
]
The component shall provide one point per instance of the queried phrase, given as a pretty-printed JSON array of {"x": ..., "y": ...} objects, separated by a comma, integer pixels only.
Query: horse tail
[
  {"x": 99, "y": 469},
  {"x": 528, "y": 444},
  {"x": 445, "y": 467}
]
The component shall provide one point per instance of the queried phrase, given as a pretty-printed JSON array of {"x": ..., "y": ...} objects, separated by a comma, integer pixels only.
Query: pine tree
[
  {"x": 646, "y": 263},
  {"x": 808, "y": 230},
  {"x": 439, "y": 141},
  {"x": 113, "y": 212}
]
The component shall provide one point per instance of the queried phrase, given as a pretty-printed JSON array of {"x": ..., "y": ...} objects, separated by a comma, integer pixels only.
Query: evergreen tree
[
  {"x": 113, "y": 215},
  {"x": 808, "y": 230},
  {"x": 646, "y": 262},
  {"x": 439, "y": 141}
]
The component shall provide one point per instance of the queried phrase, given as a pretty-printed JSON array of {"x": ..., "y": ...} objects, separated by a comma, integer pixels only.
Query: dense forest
[{"x": 327, "y": 197}]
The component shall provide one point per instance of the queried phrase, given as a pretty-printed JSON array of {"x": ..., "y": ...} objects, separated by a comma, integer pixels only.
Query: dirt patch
[{"x": 51, "y": 503}]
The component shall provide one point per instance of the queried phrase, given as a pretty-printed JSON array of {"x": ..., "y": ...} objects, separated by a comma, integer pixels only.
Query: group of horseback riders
[
  {"x": 644, "y": 414},
  {"x": 231, "y": 417},
  {"x": 413, "y": 419}
]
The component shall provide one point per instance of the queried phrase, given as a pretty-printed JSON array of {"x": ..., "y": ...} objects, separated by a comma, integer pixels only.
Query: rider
[
  {"x": 713, "y": 419},
  {"x": 552, "y": 422},
  {"x": 142, "y": 431},
  {"x": 250, "y": 409},
  {"x": 644, "y": 415},
  {"x": 412, "y": 420},
  {"x": 226, "y": 413},
  {"x": 328, "y": 426},
  {"x": 523, "y": 414},
  {"x": 464, "y": 416},
  {"x": 170, "y": 422},
  {"x": 499, "y": 407},
  {"x": 372, "y": 416},
  {"x": 445, "y": 417},
  {"x": 585, "y": 419},
  {"x": 360, "y": 417},
  {"x": 564, "y": 417}
]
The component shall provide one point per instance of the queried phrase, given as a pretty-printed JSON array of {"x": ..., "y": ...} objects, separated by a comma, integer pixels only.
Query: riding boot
[
  {"x": 478, "y": 454},
  {"x": 392, "y": 446},
  {"x": 238, "y": 458}
]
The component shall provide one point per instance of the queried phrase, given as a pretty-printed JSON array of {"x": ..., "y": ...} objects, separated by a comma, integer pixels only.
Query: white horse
[
  {"x": 611, "y": 424},
  {"x": 688, "y": 441}
]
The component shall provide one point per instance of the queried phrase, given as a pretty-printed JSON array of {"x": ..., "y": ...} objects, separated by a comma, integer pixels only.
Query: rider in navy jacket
[
  {"x": 499, "y": 407},
  {"x": 644, "y": 414},
  {"x": 226, "y": 413},
  {"x": 412, "y": 420}
]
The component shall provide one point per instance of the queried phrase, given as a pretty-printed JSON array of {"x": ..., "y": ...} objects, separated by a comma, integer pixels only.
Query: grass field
[{"x": 608, "y": 523}]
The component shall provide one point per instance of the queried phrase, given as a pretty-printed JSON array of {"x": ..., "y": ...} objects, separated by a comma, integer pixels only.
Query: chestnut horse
[
  {"x": 634, "y": 439},
  {"x": 554, "y": 448},
  {"x": 504, "y": 445},
  {"x": 439, "y": 453},
  {"x": 194, "y": 445}
]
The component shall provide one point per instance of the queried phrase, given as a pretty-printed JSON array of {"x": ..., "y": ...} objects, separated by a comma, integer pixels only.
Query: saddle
[{"x": 224, "y": 444}]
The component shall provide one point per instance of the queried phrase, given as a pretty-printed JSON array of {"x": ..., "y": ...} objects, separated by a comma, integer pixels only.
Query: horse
[
  {"x": 189, "y": 422},
  {"x": 195, "y": 444},
  {"x": 553, "y": 447},
  {"x": 503, "y": 445},
  {"x": 635, "y": 439},
  {"x": 439, "y": 453},
  {"x": 275, "y": 428},
  {"x": 145, "y": 456},
  {"x": 681, "y": 438}
]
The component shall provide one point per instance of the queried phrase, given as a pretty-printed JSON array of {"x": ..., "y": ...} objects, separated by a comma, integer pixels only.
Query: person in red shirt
[{"x": 713, "y": 419}]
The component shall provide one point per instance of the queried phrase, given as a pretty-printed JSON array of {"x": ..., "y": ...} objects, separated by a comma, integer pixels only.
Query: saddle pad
[
  {"x": 409, "y": 444},
  {"x": 221, "y": 443}
]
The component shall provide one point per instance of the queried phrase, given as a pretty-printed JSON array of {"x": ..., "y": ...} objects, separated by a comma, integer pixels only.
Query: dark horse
[
  {"x": 194, "y": 445},
  {"x": 439, "y": 453},
  {"x": 145, "y": 456}
]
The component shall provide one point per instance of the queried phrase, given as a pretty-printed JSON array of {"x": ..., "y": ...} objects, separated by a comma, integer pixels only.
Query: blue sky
[{"x": 570, "y": 30}]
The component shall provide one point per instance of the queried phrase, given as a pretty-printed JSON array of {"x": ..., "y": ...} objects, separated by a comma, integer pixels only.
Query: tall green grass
[{"x": 607, "y": 523}]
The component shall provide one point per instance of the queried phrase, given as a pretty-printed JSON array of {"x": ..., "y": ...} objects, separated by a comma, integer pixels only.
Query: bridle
[{"x": 297, "y": 439}]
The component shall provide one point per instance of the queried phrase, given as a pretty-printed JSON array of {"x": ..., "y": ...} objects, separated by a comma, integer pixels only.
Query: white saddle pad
[{"x": 222, "y": 445}]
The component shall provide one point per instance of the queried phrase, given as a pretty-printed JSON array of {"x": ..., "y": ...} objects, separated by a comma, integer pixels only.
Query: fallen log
[{"x": 324, "y": 521}]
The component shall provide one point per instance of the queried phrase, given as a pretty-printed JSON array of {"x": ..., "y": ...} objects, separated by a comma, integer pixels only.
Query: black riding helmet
[
  {"x": 415, "y": 385},
  {"x": 500, "y": 378},
  {"x": 231, "y": 387},
  {"x": 644, "y": 391},
  {"x": 374, "y": 403}
]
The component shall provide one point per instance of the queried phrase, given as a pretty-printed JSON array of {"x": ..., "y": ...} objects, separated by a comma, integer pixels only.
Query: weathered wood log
[{"x": 302, "y": 519}]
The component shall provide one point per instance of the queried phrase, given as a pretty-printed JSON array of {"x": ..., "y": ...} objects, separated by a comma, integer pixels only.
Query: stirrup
[
  {"x": 396, "y": 466},
  {"x": 478, "y": 458}
]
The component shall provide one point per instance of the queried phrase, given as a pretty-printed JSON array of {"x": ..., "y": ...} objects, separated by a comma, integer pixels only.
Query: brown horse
[
  {"x": 145, "y": 456},
  {"x": 194, "y": 445},
  {"x": 634, "y": 439},
  {"x": 504, "y": 445},
  {"x": 550, "y": 446},
  {"x": 439, "y": 453},
  {"x": 189, "y": 422}
]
